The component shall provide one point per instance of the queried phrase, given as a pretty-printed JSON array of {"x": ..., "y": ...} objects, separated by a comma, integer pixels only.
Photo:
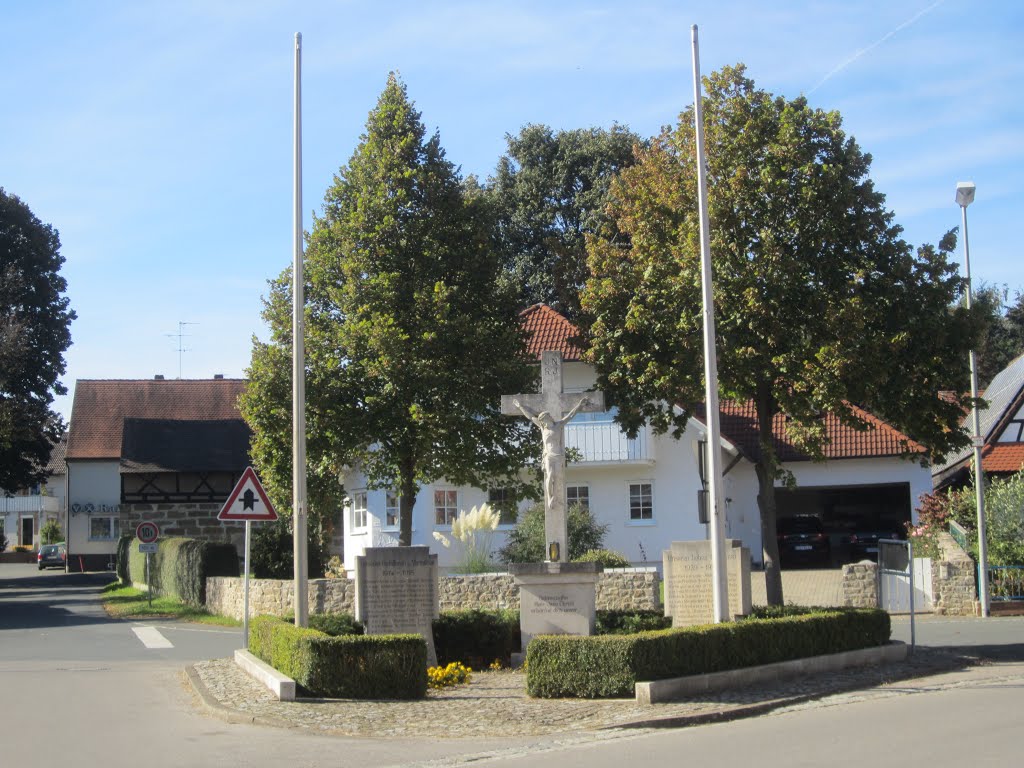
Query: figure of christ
[{"x": 552, "y": 433}]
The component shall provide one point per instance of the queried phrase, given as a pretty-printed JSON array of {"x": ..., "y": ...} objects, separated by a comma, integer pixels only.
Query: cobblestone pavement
[{"x": 494, "y": 704}]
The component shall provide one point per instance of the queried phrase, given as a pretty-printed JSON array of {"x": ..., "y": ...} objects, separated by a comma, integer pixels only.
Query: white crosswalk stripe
[{"x": 151, "y": 637}]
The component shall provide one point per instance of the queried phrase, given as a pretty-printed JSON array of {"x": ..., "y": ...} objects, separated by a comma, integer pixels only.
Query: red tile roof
[
  {"x": 101, "y": 406},
  {"x": 738, "y": 423},
  {"x": 548, "y": 330},
  {"x": 1003, "y": 457}
]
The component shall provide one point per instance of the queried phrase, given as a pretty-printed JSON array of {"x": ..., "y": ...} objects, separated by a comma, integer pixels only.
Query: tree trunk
[
  {"x": 407, "y": 490},
  {"x": 765, "y": 469}
]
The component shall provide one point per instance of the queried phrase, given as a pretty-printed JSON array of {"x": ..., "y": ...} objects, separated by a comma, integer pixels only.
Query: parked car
[
  {"x": 52, "y": 556},
  {"x": 864, "y": 544},
  {"x": 802, "y": 539}
]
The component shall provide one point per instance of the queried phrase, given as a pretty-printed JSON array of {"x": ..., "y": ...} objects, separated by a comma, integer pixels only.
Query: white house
[
  {"x": 646, "y": 489},
  {"x": 24, "y": 513}
]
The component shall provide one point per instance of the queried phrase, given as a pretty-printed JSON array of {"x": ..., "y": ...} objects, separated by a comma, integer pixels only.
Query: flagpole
[
  {"x": 719, "y": 582},
  {"x": 301, "y": 605}
]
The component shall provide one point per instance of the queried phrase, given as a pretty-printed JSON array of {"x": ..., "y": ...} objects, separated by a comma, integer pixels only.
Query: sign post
[
  {"x": 147, "y": 533},
  {"x": 247, "y": 501}
]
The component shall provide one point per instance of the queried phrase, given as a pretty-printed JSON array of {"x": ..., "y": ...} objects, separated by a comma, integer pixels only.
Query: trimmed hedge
[
  {"x": 180, "y": 566},
  {"x": 611, "y": 665},
  {"x": 347, "y": 666},
  {"x": 476, "y": 637}
]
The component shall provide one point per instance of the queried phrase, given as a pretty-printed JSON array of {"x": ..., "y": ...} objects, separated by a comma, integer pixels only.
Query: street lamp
[{"x": 964, "y": 197}]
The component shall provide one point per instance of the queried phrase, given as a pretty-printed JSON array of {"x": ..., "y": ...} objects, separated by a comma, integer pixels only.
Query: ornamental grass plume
[{"x": 474, "y": 531}]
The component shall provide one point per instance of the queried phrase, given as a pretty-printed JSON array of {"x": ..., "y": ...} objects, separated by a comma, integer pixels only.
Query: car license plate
[{"x": 803, "y": 547}]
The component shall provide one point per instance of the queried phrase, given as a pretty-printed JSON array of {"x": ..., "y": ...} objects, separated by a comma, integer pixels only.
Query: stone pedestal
[
  {"x": 396, "y": 593},
  {"x": 556, "y": 598},
  {"x": 689, "y": 596}
]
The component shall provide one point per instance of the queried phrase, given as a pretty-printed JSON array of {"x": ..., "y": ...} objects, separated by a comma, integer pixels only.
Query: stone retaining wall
[
  {"x": 627, "y": 589},
  {"x": 191, "y": 520}
]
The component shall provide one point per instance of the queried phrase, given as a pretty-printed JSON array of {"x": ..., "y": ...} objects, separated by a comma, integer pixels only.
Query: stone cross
[{"x": 550, "y": 410}]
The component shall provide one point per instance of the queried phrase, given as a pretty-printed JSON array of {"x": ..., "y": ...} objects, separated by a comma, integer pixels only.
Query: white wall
[{"x": 97, "y": 483}]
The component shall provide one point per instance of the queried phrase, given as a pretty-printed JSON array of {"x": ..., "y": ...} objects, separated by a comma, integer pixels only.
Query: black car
[
  {"x": 864, "y": 544},
  {"x": 802, "y": 539},
  {"x": 52, "y": 556}
]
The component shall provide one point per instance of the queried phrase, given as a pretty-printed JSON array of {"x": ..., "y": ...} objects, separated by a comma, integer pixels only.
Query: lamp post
[{"x": 964, "y": 197}]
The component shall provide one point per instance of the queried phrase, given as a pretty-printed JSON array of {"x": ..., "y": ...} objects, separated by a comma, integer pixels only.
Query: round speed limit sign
[{"x": 147, "y": 532}]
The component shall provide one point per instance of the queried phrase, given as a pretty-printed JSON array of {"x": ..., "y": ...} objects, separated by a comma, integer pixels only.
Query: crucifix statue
[{"x": 550, "y": 410}]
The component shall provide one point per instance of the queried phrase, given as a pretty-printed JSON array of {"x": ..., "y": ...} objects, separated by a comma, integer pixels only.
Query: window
[
  {"x": 641, "y": 501},
  {"x": 392, "y": 509},
  {"x": 503, "y": 501},
  {"x": 446, "y": 506},
  {"x": 577, "y": 494},
  {"x": 102, "y": 528},
  {"x": 358, "y": 509}
]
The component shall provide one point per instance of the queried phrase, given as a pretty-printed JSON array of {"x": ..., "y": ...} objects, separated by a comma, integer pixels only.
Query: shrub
[
  {"x": 3, "y": 542},
  {"x": 180, "y": 566},
  {"x": 611, "y": 665},
  {"x": 348, "y": 666},
  {"x": 526, "y": 542},
  {"x": 605, "y": 557},
  {"x": 272, "y": 553},
  {"x": 51, "y": 532},
  {"x": 476, "y": 637},
  {"x": 336, "y": 624},
  {"x": 630, "y": 622}
]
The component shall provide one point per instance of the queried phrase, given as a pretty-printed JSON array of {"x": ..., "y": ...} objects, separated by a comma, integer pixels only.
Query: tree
[
  {"x": 819, "y": 302},
  {"x": 410, "y": 340},
  {"x": 1003, "y": 340},
  {"x": 526, "y": 542},
  {"x": 34, "y": 334},
  {"x": 548, "y": 192}
]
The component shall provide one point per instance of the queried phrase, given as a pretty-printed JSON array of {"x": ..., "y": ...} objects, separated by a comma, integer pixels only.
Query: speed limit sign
[{"x": 147, "y": 532}]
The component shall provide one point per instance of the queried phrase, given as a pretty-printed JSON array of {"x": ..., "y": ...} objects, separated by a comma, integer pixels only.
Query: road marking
[{"x": 151, "y": 637}]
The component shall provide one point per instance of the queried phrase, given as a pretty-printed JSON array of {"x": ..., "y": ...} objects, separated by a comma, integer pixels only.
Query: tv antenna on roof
[{"x": 180, "y": 335}]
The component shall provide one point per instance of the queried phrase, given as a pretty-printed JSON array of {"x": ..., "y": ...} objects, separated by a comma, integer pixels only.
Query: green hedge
[
  {"x": 347, "y": 666},
  {"x": 611, "y": 665},
  {"x": 180, "y": 566},
  {"x": 476, "y": 637}
]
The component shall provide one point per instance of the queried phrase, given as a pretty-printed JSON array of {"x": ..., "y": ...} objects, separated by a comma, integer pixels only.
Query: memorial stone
[
  {"x": 689, "y": 597},
  {"x": 396, "y": 592}
]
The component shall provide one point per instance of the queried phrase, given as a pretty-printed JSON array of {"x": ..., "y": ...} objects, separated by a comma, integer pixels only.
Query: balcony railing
[
  {"x": 30, "y": 505},
  {"x": 605, "y": 442}
]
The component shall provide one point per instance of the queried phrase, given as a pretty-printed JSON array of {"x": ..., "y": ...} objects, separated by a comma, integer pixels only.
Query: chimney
[
  {"x": 218, "y": 376},
  {"x": 159, "y": 377}
]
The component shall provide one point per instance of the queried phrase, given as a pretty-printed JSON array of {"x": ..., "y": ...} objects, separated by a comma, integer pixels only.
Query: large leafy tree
[
  {"x": 1003, "y": 340},
  {"x": 34, "y": 334},
  {"x": 819, "y": 302},
  {"x": 549, "y": 191},
  {"x": 410, "y": 340}
]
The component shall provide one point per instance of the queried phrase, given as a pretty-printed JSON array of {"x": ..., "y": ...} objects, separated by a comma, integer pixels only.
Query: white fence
[{"x": 894, "y": 588}]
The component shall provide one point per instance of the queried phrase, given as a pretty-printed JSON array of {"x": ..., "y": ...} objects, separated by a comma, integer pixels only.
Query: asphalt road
[{"x": 78, "y": 686}]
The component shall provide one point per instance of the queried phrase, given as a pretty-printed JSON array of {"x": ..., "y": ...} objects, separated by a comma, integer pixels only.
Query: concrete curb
[
  {"x": 673, "y": 689},
  {"x": 226, "y": 713},
  {"x": 282, "y": 686}
]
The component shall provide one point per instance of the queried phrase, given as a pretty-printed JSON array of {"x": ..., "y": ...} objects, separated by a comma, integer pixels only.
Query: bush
[
  {"x": 630, "y": 622},
  {"x": 3, "y": 542},
  {"x": 526, "y": 542},
  {"x": 476, "y": 637},
  {"x": 51, "y": 532},
  {"x": 611, "y": 665},
  {"x": 349, "y": 666},
  {"x": 335, "y": 624},
  {"x": 180, "y": 566},
  {"x": 605, "y": 557},
  {"x": 272, "y": 553}
]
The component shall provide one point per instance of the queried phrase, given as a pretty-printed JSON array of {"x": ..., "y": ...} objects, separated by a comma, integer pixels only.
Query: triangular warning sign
[{"x": 248, "y": 501}]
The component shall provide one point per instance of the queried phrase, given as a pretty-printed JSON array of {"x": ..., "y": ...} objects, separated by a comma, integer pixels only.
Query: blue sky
[{"x": 156, "y": 136}]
